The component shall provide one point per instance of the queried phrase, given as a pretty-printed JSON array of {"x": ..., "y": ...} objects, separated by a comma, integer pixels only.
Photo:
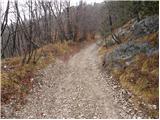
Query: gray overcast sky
[
  {"x": 88, "y": 1},
  {"x": 73, "y": 2}
]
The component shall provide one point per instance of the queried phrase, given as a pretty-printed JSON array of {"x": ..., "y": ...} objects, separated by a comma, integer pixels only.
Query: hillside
[{"x": 135, "y": 62}]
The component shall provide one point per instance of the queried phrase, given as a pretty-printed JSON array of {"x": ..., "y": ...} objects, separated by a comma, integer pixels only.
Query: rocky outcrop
[
  {"x": 122, "y": 55},
  {"x": 146, "y": 26}
]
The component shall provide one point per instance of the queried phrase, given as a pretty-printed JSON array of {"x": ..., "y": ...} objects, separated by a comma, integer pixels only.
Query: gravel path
[{"x": 76, "y": 89}]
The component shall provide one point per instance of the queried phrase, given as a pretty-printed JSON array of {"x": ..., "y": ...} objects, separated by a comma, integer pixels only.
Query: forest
[{"x": 114, "y": 43}]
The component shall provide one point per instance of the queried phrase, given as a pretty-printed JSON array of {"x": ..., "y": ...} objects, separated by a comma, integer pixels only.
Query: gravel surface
[{"x": 77, "y": 89}]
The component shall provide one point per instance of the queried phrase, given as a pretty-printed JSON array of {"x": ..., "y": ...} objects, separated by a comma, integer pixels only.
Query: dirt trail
[{"x": 75, "y": 89}]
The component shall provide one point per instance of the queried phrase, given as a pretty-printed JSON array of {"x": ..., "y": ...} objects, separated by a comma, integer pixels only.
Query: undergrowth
[
  {"x": 17, "y": 80},
  {"x": 141, "y": 76},
  {"x": 142, "y": 79}
]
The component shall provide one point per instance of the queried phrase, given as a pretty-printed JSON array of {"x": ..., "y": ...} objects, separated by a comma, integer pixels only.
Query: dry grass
[
  {"x": 17, "y": 80},
  {"x": 141, "y": 77},
  {"x": 151, "y": 38},
  {"x": 102, "y": 51}
]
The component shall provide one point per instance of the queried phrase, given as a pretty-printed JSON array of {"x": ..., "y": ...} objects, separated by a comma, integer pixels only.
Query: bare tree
[
  {"x": 3, "y": 27},
  {"x": 45, "y": 22}
]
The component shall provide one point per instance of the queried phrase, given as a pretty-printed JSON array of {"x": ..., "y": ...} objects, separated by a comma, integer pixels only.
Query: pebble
[
  {"x": 103, "y": 92},
  {"x": 32, "y": 79},
  {"x": 152, "y": 106},
  {"x": 43, "y": 114},
  {"x": 94, "y": 117},
  {"x": 115, "y": 86}
]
